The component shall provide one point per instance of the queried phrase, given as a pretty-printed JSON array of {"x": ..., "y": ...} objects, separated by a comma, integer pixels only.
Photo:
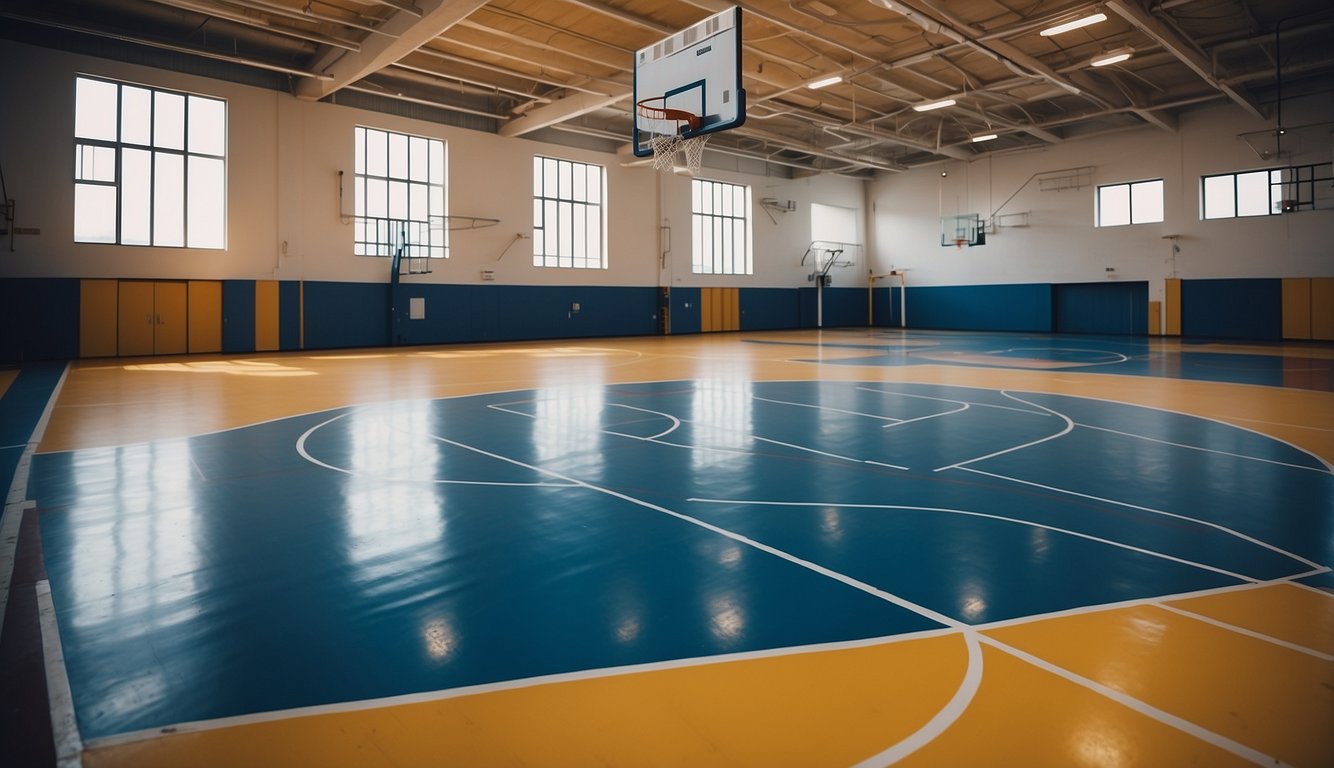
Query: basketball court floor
[{"x": 807, "y": 548}]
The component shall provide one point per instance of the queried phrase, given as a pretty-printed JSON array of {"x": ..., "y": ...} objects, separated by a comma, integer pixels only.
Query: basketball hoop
[
  {"x": 959, "y": 243},
  {"x": 668, "y": 128}
]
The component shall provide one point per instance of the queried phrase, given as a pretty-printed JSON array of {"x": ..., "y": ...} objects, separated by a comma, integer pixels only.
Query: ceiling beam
[
  {"x": 1183, "y": 50},
  {"x": 406, "y": 31},
  {"x": 560, "y": 111}
]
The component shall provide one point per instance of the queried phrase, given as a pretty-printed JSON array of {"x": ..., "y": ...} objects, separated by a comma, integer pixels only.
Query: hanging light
[
  {"x": 1076, "y": 24},
  {"x": 824, "y": 81},
  {"x": 930, "y": 105},
  {"x": 1112, "y": 57},
  {"x": 984, "y": 137}
]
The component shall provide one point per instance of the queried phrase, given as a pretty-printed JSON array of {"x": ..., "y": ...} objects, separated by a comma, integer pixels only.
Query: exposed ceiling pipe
[
  {"x": 244, "y": 19},
  {"x": 305, "y": 14},
  {"x": 201, "y": 52}
]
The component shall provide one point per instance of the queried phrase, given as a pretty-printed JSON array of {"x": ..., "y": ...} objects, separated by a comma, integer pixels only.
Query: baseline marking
[{"x": 1205, "y": 450}]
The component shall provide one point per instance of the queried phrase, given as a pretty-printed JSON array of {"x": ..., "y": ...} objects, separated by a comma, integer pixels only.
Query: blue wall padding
[
  {"x": 39, "y": 319},
  {"x": 289, "y": 315},
  {"x": 515, "y": 312},
  {"x": 886, "y": 305},
  {"x": 807, "y": 315},
  {"x": 1110, "y": 307},
  {"x": 238, "y": 315},
  {"x": 685, "y": 310},
  {"x": 1244, "y": 308},
  {"x": 844, "y": 307},
  {"x": 1024, "y": 307},
  {"x": 347, "y": 315},
  {"x": 765, "y": 309}
]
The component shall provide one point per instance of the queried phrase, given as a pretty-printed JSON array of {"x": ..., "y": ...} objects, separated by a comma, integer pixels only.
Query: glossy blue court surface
[{"x": 424, "y": 545}]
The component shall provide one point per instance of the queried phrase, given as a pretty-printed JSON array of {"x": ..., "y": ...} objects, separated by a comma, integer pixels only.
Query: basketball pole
[{"x": 871, "y": 277}]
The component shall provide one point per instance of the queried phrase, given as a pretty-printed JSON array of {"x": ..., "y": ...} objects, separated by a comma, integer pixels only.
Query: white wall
[
  {"x": 1062, "y": 245},
  {"x": 283, "y": 212}
]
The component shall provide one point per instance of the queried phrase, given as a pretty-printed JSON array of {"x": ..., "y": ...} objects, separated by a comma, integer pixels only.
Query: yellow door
[
  {"x": 1155, "y": 318},
  {"x": 1172, "y": 325},
  {"x": 97, "y": 318},
  {"x": 205, "y": 300},
  {"x": 170, "y": 318},
  {"x": 134, "y": 318},
  {"x": 1296, "y": 308},
  {"x": 1322, "y": 308},
  {"x": 706, "y": 310},
  {"x": 266, "y": 315},
  {"x": 733, "y": 309}
]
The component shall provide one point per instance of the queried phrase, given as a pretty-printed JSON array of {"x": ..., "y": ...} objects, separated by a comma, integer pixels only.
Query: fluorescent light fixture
[
  {"x": 987, "y": 137},
  {"x": 821, "y": 83},
  {"x": 1076, "y": 24},
  {"x": 934, "y": 105},
  {"x": 1112, "y": 57}
]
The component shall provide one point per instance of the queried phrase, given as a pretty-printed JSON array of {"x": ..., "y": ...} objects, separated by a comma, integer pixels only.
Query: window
[
  {"x": 1230, "y": 195},
  {"x": 569, "y": 228},
  {"x": 399, "y": 188},
  {"x": 720, "y": 228},
  {"x": 1137, "y": 202},
  {"x": 150, "y": 166}
]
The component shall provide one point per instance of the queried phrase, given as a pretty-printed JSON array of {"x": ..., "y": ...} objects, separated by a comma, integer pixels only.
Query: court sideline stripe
[
  {"x": 64, "y": 726},
  {"x": 1202, "y": 449},
  {"x": 16, "y": 502}
]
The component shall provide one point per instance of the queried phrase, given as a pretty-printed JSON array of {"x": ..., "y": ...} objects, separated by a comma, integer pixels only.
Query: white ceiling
[{"x": 561, "y": 70}]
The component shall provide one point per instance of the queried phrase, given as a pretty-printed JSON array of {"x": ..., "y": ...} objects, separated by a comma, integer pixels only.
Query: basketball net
[{"x": 666, "y": 140}]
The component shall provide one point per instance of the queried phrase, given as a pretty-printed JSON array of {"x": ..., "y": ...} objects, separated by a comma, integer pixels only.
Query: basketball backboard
[{"x": 696, "y": 70}]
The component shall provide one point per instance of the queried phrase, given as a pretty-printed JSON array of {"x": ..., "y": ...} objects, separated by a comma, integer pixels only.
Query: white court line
[
  {"x": 1151, "y": 510},
  {"x": 9, "y": 539},
  {"x": 17, "y": 500},
  {"x": 1144, "y": 708},
  {"x": 986, "y": 515},
  {"x": 827, "y": 408},
  {"x": 948, "y": 400},
  {"x": 676, "y": 423},
  {"x": 962, "y": 407},
  {"x": 804, "y": 448},
  {"x": 301, "y": 449},
  {"x": 1198, "y": 448},
  {"x": 942, "y": 720},
  {"x": 883, "y": 464},
  {"x": 446, "y": 694},
  {"x": 1069, "y": 426},
  {"x": 64, "y": 726},
  {"x": 1247, "y": 632},
  {"x": 1140, "y": 601}
]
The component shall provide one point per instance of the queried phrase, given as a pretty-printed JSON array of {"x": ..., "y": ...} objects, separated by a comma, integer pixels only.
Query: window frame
[
  {"x": 1130, "y": 187},
  {"x": 154, "y": 152},
  {"x": 554, "y": 205},
  {"x": 1273, "y": 178},
  {"x": 423, "y": 239},
  {"x": 721, "y": 261}
]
